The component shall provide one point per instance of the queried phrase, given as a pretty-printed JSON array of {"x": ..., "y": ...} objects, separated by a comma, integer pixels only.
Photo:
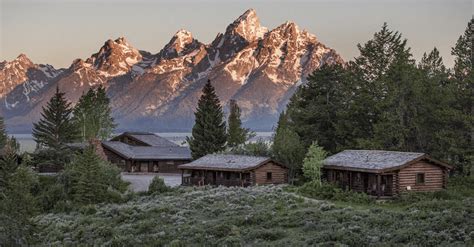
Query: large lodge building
[{"x": 145, "y": 152}]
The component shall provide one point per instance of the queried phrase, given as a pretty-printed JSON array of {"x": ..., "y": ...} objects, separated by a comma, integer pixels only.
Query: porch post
[{"x": 379, "y": 181}]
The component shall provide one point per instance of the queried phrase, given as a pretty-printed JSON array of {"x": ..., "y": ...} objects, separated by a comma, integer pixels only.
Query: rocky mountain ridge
[{"x": 258, "y": 67}]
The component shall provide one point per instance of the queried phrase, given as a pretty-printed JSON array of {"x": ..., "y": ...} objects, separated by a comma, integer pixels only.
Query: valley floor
[{"x": 258, "y": 216}]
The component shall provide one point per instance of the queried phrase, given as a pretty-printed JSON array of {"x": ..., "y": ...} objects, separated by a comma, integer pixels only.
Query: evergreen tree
[
  {"x": 209, "y": 131},
  {"x": 287, "y": 147},
  {"x": 434, "y": 113},
  {"x": 313, "y": 163},
  {"x": 462, "y": 86},
  {"x": 16, "y": 200},
  {"x": 237, "y": 135},
  {"x": 462, "y": 52},
  {"x": 92, "y": 115},
  {"x": 395, "y": 128},
  {"x": 370, "y": 82},
  {"x": 3, "y": 133},
  {"x": 316, "y": 108},
  {"x": 88, "y": 189},
  {"x": 55, "y": 127},
  {"x": 89, "y": 179}
]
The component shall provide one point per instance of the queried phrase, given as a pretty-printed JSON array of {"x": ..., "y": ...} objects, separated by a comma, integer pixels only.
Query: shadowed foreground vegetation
[{"x": 267, "y": 215}]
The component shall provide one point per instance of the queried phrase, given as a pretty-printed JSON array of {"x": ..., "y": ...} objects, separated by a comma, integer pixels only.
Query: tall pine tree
[
  {"x": 209, "y": 131},
  {"x": 315, "y": 108},
  {"x": 462, "y": 103},
  {"x": 237, "y": 135},
  {"x": 55, "y": 127},
  {"x": 3, "y": 133},
  {"x": 370, "y": 82}
]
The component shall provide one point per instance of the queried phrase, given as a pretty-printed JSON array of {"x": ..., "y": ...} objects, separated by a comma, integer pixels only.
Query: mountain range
[{"x": 258, "y": 67}]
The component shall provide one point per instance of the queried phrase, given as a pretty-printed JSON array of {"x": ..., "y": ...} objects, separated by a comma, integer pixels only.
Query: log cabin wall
[
  {"x": 117, "y": 159},
  {"x": 269, "y": 173},
  {"x": 169, "y": 166},
  {"x": 434, "y": 177}
]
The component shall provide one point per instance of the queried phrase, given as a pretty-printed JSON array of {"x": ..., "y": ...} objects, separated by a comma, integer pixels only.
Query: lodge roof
[
  {"x": 148, "y": 138},
  {"x": 226, "y": 162},
  {"x": 148, "y": 152},
  {"x": 375, "y": 160}
]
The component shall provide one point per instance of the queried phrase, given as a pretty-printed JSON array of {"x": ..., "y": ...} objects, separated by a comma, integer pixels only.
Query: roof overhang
[
  {"x": 391, "y": 169},
  {"x": 187, "y": 167},
  {"x": 124, "y": 156}
]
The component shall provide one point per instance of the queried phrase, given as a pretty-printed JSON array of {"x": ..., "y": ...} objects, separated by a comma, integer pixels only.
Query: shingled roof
[
  {"x": 148, "y": 152},
  {"x": 375, "y": 160},
  {"x": 148, "y": 138},
  {"x": 226, "y": 162}
]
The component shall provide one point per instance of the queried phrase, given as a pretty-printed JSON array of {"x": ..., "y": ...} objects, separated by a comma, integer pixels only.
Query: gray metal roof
[
  {"x": 225, "y": 162},
  {"x": 147, "y": 152},
  {"x": 150, "y": 139},
  {"x": 370, "y": 159}
]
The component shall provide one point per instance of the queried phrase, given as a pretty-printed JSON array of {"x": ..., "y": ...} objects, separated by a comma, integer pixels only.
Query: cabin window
[
  {"x": 420, "y": 178},
  {"x": 227, "y": 175},
  {"x": 269, "y": 176},
  {"x": 170, "y": 162}
]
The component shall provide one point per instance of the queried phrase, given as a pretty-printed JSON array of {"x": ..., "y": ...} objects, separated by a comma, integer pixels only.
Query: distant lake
[{"x": 27, "y": 144}]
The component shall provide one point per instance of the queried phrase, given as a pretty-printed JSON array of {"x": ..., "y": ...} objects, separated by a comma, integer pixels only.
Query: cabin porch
[
  {"x": 374, "y": 184},
  {"x": 206, "y": 177}
]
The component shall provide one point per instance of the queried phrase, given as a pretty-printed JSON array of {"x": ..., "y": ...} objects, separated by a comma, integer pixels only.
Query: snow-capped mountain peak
[
  {"x": 247, "y": 26},
  {"x": 182, "y": 42},
  {"x": 115, "y": 57}
]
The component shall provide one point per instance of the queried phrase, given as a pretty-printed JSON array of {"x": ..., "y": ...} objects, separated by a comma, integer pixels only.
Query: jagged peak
[
  {"x": 288, "y": 25},
  {"x": 249, "y": 14},
  {"x": 22, "y": 58},
  {"x": 183, "y": 34},
  {"x": 122, "y": 41},
  {"x": 21, "y": 61},
  {"x": 290, "y": 29},
  {"x": 247, "y": 26},
  {"x": 181, "y": 40}
]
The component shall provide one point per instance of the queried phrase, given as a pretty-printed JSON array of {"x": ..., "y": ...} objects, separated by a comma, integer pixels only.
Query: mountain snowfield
[{"x": 258, "y": 67}]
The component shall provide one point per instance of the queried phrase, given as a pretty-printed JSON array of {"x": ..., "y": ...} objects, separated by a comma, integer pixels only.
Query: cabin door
[
  {"x": 144, "y": 166},
  {"x": 387, "y": 185}
]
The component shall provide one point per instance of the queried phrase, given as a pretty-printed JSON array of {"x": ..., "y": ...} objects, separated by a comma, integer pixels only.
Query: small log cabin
[
  {"x": 145, "y": 152},
  {"x": 233, "y": 170},
  {"x": 385, "y": 173}
]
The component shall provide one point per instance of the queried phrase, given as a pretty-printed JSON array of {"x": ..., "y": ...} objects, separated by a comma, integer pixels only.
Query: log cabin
[
  {"x": 385, "y": 173},
  {"x": 233, "y": 170},
  {"x": 145, "y": 152}
]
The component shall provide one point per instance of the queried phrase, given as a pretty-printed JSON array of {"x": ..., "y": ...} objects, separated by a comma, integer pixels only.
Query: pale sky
[{"x": 57, "y": 32}]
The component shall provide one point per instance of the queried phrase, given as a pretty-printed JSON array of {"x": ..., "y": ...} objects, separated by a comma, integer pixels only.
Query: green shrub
[
  {"x": 157, "y": 185},
  {"x": 328, "y": 191}
]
